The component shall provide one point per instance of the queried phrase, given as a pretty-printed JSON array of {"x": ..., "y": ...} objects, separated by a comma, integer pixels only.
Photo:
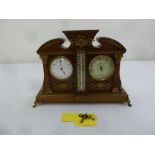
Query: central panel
[{"x": 81, "y": 87}]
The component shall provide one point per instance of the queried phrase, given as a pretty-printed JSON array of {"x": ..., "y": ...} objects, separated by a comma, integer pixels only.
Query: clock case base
[{"x": 49, "y": 97}]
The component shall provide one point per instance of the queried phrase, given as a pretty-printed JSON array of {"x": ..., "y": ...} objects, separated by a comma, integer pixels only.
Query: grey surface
[{"x": 20, "y": 83}]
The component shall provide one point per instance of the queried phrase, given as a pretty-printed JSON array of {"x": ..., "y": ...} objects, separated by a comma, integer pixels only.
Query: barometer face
[
  {"x": 101, "y": 67},
  {"x": 61, "y": 68}
]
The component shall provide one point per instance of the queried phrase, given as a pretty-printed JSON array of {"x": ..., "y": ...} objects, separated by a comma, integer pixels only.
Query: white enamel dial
[
  {"x": 101, "y": 67},
  {"x": 61, "y": 68}
]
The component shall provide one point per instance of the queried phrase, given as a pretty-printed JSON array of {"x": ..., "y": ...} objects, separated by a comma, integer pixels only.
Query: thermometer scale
[{"x": 81, "y": 71}]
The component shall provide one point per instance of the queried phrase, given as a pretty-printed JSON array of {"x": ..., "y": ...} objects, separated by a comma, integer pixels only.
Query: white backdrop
[{"x": 19, "y": 39}]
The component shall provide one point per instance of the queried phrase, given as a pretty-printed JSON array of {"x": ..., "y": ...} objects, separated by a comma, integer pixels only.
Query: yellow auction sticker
[{"x": 80, "y": 119}]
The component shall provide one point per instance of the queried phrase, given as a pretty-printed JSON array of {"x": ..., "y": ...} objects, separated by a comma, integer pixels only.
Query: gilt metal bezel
[
  {"x": 59, "y": 57},
  {"x": 105, "y": 77}
]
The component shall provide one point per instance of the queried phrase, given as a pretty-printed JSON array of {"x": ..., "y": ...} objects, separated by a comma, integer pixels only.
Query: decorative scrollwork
[
  {"x": 100, "y": 86},
  {"x": 81, "y": 41},
  {"x": 111, "y": 44},
  {"x": 115, "y": 90},
  {"x": 51, "y": 44},
  {"x": 62, "y": 86}
]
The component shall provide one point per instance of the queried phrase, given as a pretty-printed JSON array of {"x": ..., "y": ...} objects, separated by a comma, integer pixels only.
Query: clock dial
[
  {"x": 61, "y": 68},
  {"x": 101, "y": 67}
]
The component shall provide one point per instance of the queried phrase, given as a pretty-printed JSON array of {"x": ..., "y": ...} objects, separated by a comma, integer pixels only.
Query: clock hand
[
  {"x": 61, "y": 67},
  {"x": 60, "y": 62},
  {"x": 62, "y": 70},
  {"x": 101, "y": 68}
]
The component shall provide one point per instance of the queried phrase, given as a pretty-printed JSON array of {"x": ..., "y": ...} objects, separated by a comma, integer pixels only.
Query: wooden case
[{"x": 65, "y": 91}]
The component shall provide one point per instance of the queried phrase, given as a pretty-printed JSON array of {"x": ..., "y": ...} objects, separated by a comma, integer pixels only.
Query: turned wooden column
[
  {"x": 46, "y": 81},
  {"x": 117, "y": 81}
]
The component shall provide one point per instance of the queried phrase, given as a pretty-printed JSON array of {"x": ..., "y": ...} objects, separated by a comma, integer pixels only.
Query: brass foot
[
  {"x": 36, "y": 103},
  {"x": 128, "y": 102}
]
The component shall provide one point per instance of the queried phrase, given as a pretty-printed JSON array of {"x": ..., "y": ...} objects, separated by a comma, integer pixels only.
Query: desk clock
[{"x": 81, "y": 72}]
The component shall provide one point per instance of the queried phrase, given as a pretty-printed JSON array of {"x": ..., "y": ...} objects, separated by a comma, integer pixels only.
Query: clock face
[
  {"x": 61, "y": 68},
  {"x": 101, "y": 67}
]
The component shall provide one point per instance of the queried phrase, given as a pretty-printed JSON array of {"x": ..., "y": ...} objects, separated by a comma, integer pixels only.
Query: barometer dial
[
  {"x": 61, "y": 68},
  {"x": 101, "y": 67}
]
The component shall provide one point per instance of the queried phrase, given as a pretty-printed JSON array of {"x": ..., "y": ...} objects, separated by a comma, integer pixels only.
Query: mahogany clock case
[{"x": 65, "y": 91}]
